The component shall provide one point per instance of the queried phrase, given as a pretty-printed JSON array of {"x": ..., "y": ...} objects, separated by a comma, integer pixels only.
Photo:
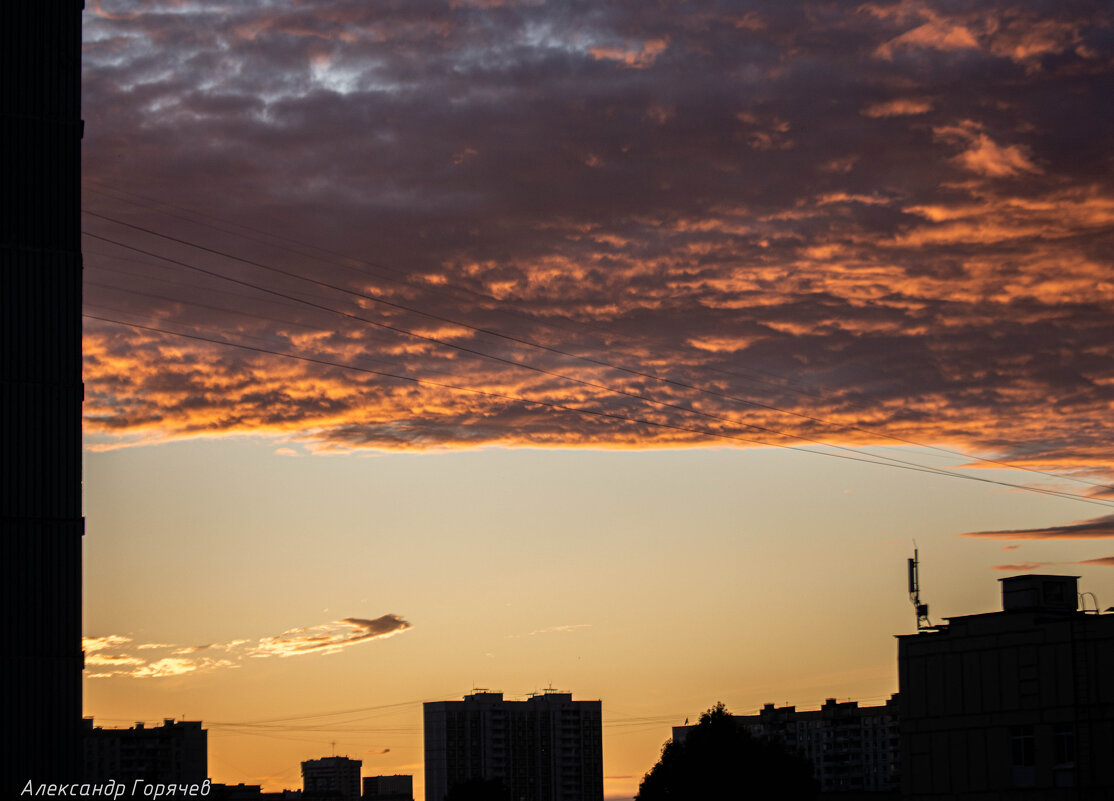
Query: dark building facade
[
  {"x": 546, "y": 748},
  {"x": 176, "y": 751},
  {"x": 854, "y": 750},
  {"x": 1016, "y": 705},
  {"x": 388, "y": 788},
  {"x": 331, "y": 778},
  {"x": 40, "y": 391}
]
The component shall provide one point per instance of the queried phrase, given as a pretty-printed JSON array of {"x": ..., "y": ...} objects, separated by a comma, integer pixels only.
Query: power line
[
  {"x": 533, "y": 368},
  {"x": 557, "y": 351},
  {"x": 406, "y": 279},
  {"x": 596, "y": 412},
  {"x": 708, "y": 415}
]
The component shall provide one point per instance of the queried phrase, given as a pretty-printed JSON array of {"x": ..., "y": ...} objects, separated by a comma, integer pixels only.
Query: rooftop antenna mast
[{"x": 915, "y": 592}]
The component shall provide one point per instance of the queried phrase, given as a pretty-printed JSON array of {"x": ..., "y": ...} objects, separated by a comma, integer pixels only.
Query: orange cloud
[
  {"x": 936, "y": 34},
  {"x": 982, "y": 155},
  {"x": 1026, "y": 38},
  {"x": 640, "y": 57},
  {"x": 902, "y": 107}
]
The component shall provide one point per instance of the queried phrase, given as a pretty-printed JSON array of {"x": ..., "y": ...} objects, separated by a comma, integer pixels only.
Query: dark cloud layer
[{"x": 892, "y": 216}]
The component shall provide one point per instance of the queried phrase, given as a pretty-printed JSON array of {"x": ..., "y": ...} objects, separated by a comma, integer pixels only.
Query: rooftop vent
[{"x": 1038, "y": 593}]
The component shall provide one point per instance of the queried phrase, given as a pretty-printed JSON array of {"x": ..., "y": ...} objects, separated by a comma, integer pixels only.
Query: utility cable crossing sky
[
  {"x": 879, "y": 459},
  {"x": 550, "y": 349}
]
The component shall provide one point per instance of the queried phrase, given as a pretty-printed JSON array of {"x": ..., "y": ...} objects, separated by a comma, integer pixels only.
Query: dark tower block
[{"x": 40, "y": 382}]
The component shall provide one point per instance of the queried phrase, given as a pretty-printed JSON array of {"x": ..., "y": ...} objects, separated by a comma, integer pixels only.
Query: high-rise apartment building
[
  {"x": 331, "y": 777},
  {"x": 546, "y": 748},
  {"x": 1017, "y": 704},
  {"x": 853, "y": 749},
  {"x": 40, "y": 392},
  {"x": 175, "y": 752}
]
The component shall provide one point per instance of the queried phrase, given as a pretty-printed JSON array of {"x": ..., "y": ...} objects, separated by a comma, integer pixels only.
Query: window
[
  {"x": 1063, "y": 768},
  {"x": 1023, "y": 756}
]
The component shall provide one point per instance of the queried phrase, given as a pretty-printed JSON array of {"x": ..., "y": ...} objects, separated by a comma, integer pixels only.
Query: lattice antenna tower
[{"x": 915, "y": 592}]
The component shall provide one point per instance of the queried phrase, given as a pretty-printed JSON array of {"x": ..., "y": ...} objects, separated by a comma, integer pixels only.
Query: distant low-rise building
[
  {"x": 176, "y": 751},
  {"x": 330, "y": 778},
  {"x": 389, "y": 788},
  {"x": 250, "y": 792},
  {"x": 1016, "y": 704},
  {"x": 853, "y": 749}
]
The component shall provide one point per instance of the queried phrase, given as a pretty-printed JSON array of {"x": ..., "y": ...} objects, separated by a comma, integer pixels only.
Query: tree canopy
[{"x": 719, "y": 759}]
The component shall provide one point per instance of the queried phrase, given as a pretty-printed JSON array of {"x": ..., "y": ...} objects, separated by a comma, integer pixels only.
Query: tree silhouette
[{"x": 718, "y": 760}]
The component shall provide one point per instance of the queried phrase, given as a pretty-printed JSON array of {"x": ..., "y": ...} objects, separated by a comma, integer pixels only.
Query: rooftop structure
[{"x": 1014, "y": 704}]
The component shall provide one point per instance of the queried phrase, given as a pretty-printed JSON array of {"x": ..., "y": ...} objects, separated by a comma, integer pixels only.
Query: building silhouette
[
  {"x": 249, "y": 792},
  {"x": 331, "y": 777},
  {"x": 546, "y": 748},
  {"x": 854, "y": 750},
  {"x": 175, "y": 752},
  {"x": 40, "y": 392},
  {"x": 388, "y": 788},
  {"x": 1017, "y": 704}
]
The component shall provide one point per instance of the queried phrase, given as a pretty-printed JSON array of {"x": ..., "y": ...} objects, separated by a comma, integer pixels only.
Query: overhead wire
[
  {"x": 557, "y": 351},
  {"x": 408, "y": 280},
  {"x": 783, "y": 382},
  {"x": 887, "y": 459},
  {"x": 401, "y": 278},
  {"x": 180, "y": 301},
  {"x": 553, "y": 373},
  {"x": 636, "y": 396},
  {"x": 599, "y": 413},
  {"x": 895, "y": 460}
]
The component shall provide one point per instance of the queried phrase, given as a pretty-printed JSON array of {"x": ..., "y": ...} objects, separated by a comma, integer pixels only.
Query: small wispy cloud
[
  {"x": 1094, "y": 528},
  {"x": 93, "y": 644},
  {"x": 1106, "y": 561},
  {"x": 553, "y": 630},
  {"x": 1025, "y": 567},
  {"x": 329, "y": 637},
  {"x": 901, "y": 107},
  {"x": 191, "y": 649},
  {"x": 1022, "y": 567},
  {"x": 115, "y": 655}
]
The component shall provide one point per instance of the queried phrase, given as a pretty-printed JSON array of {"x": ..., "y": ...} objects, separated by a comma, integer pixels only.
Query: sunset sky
[{"x": 624, "y": 348}]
